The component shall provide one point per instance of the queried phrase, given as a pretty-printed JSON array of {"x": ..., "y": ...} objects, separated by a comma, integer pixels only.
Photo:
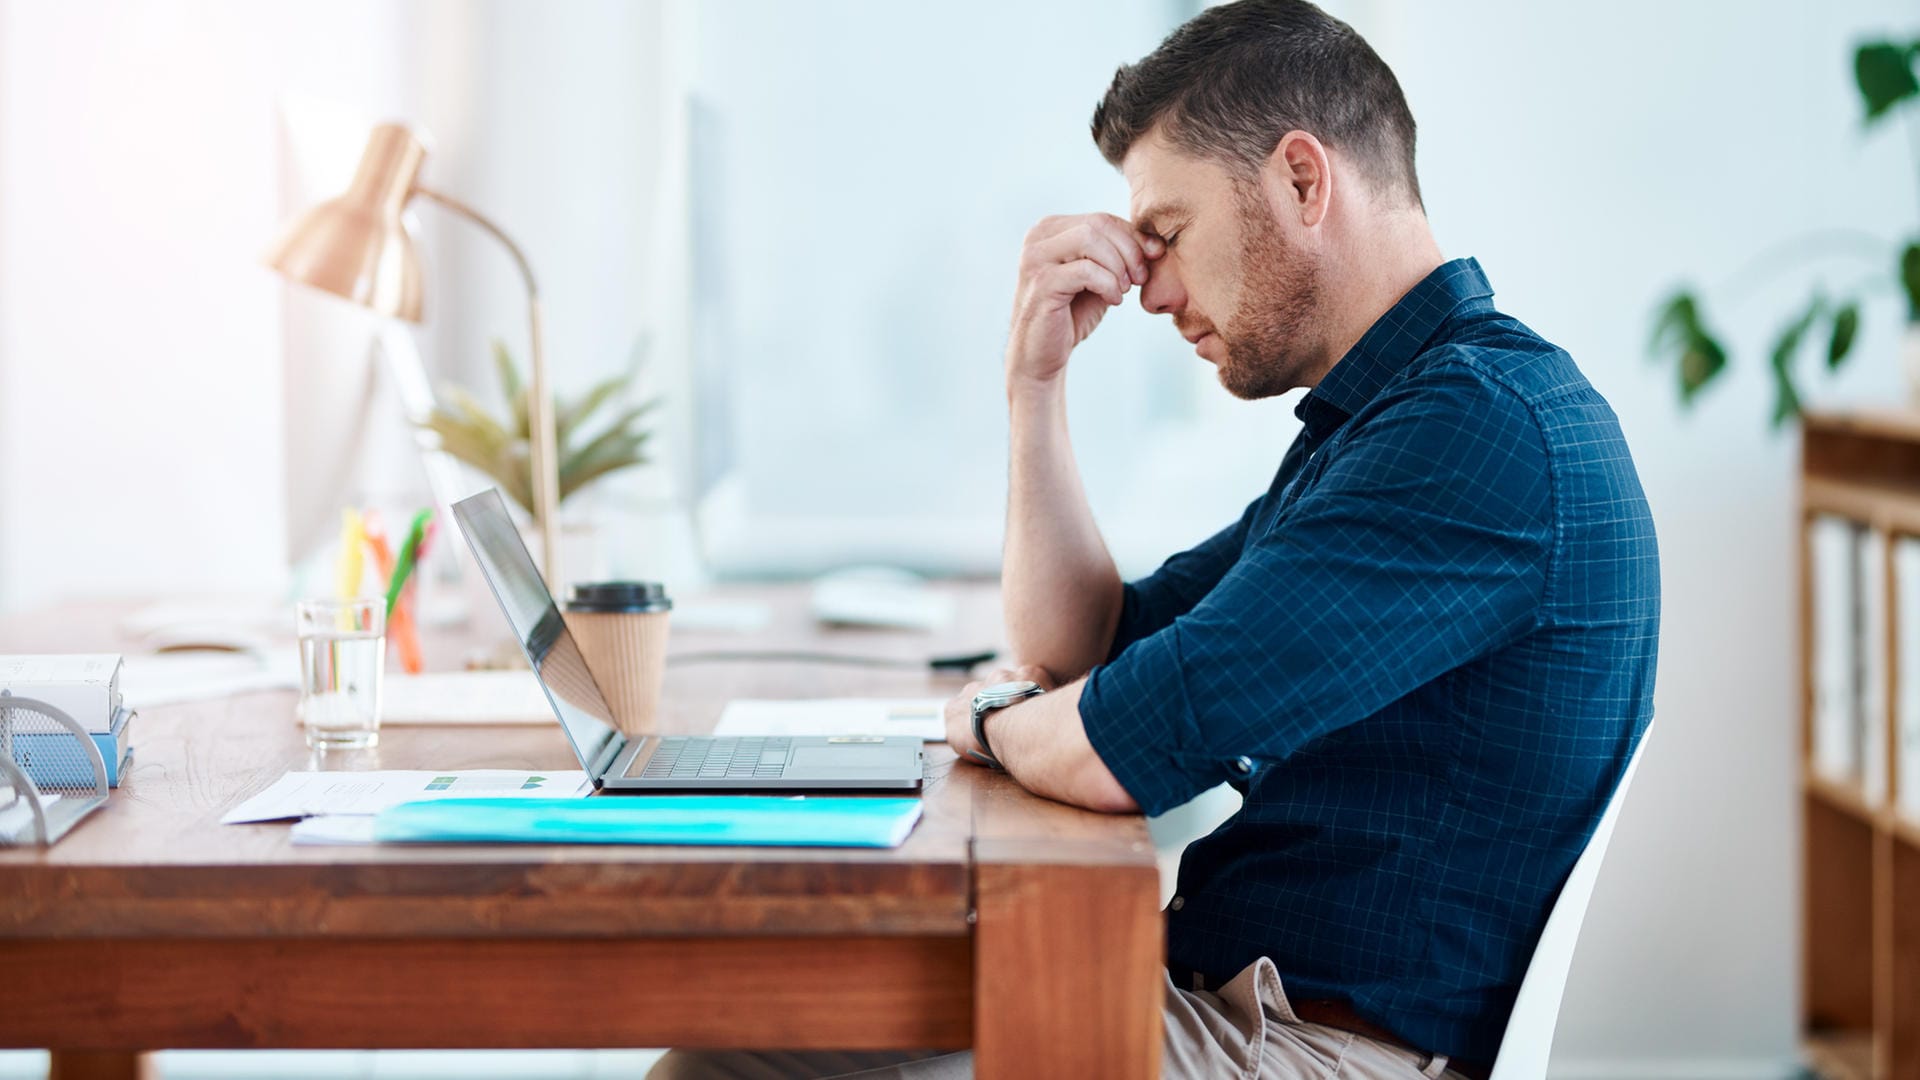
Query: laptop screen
[{"x": 536, "y": 621}]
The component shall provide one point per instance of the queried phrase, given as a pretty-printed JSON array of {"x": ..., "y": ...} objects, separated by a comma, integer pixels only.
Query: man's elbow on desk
[
  {"x": 1093, "y": 785},
  {"x": 1043, "y": 744}
]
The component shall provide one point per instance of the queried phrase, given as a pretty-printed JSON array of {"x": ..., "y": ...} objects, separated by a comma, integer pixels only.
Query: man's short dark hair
[{"x": 1235, "y": 78}]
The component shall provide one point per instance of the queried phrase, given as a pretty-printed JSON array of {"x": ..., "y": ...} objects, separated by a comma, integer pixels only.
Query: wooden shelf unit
[{"x": 1861, "y": 941}]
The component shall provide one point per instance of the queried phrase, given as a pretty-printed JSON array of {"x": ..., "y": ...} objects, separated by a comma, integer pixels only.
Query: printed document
[{"x": 306, "y": 794}]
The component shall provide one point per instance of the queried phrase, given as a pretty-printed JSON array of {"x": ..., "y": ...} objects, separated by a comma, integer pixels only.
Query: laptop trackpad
[{"x": 853, "y": 762}]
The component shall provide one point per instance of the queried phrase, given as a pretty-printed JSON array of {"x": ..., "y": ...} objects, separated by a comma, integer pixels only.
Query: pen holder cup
[{"x": 51, "y": 773}]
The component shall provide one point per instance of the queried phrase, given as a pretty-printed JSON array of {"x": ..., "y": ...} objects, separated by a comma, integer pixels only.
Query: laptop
[{"x": 656, "y": 763}]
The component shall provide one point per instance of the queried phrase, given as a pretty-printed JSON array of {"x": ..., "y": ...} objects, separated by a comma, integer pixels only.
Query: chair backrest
[{"x": 1529, "y": 1035}]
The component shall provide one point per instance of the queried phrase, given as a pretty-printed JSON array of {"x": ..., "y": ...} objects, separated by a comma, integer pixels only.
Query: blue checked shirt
[{"x": 1424, "y": 656}]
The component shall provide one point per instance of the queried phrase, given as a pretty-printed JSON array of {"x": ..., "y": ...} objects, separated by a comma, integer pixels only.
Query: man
[{"x": 1423, "y": 656}]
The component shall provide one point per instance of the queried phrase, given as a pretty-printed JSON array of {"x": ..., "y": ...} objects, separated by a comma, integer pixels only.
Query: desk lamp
[{"x": 359, "y": 246}]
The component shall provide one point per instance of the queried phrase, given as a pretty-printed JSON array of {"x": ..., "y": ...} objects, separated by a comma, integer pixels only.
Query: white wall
[
  {"x": 1591, "y": 156},
  {"x": 141, "y": 348},
  {"x": 140, "y": 360},
  {"x": 140, "y": 345}
]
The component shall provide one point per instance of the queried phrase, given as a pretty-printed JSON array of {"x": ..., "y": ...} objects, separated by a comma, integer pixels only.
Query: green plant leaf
[
  {"x": 485, "y": 447},
  {"x": 513, "y": 389},
  {"x": 572, "y": 415},
  {"x": 619, "y": 427},
  {"x": 1910, "y": 279},
  {"x": 1786, "y": 399},
  {"x": 610, "y": 443},
  {"x": 1791, "y": 335},
  {"x": 581, "y": 477},
  {"x": 1679, "y": 330},
  {"x": 1884, "y": 73},
  {"x": 1700, "y": 362},
  {"x": 511, "y": 386},
  {"x": 1846, "y": 326},
  {"x": 582, "y": 469},
  {"x": 1675, "y": 325},
  {"x": 631, "y": 416},
  {"x": 472, "y": 415},
  {"x": 457, "y": 438},
  {"x": 469, "y": 433},
  {"x": 514, "y": 470}
]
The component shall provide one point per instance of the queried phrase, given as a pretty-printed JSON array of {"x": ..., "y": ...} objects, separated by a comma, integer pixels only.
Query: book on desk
[{"x": 84, "y": 686}]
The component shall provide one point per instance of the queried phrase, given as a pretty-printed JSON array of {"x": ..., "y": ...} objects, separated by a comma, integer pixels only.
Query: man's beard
[{"x": 1269, "y": 336}]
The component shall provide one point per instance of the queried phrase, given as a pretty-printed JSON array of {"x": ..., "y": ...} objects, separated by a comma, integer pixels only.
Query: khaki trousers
[{"x": 1247, "y": 1029}]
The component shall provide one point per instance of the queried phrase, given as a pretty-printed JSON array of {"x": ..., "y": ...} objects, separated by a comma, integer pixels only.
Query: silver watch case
[
  {"x": 1000, "y": 695},
  {"x": 997, "y": 696}
]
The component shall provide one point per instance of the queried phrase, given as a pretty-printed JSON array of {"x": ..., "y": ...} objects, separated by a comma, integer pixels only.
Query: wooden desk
[{"x": 1025, "y": 929}]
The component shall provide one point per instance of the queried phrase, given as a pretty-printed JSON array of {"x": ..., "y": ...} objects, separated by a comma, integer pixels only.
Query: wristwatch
[{"x": 997, "y": 696}]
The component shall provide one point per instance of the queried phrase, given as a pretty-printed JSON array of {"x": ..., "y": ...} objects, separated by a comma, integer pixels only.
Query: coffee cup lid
[{"x": 619, "y": 596}]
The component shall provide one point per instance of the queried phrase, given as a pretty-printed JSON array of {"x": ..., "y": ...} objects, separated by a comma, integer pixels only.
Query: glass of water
[{"x": 343, "y": 647}]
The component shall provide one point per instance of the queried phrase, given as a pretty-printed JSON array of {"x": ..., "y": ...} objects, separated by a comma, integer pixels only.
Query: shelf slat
[
  {"x": 1843, "y": 796},
  {"x": 1896, "y": 508}
]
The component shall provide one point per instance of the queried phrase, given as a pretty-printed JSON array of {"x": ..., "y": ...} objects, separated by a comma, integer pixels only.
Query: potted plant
[
  {"x": 500, "y": 447},
  {"x": 1884, "y": 72}
]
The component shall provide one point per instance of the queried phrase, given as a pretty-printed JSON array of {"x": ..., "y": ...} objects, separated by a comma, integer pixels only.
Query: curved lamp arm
[{"x": 545, "y": 453}]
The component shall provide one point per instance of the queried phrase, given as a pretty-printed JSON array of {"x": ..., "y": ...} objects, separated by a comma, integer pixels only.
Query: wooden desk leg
[
  {"x": 1067, "y": 971},
  {"x": 101, "y": 1065}
]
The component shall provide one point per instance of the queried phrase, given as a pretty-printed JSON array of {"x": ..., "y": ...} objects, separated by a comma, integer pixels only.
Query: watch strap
[{"x": 984, "y": 755}]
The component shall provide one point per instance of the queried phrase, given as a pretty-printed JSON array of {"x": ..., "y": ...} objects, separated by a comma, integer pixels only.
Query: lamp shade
[{"x": 358, "y": 246}]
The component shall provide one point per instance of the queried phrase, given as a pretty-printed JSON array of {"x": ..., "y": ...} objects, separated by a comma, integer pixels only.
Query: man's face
[{"x": 1233, "y": 278}]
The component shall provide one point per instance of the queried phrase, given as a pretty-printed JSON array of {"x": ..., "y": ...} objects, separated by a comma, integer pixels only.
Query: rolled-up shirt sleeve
[
  {"x": 1153, "y": 602},
  {"x": 1423, "y": 544}
]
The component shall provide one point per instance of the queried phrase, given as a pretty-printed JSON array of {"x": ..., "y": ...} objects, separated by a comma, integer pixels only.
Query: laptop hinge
[{"x": 605, "y": 759}]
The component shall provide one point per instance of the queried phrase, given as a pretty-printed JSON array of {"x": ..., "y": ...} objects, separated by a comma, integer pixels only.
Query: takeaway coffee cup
[{"x": 621, "y": 627}]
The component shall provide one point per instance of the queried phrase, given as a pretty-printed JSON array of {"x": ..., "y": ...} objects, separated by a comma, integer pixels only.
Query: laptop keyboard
[{"x": 681, "y": 757}]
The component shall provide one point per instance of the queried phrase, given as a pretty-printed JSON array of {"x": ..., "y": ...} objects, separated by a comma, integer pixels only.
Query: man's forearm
[
  {"x": 1043, "y": 743},
  {"x": 1059, "y": 588}
]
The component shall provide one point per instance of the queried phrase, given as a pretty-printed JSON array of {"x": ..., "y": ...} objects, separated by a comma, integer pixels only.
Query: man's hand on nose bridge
[{"x": 1072, "y": 269}]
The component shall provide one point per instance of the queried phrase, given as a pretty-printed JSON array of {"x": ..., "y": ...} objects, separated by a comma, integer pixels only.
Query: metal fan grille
[{"x": 57, "y": 765}]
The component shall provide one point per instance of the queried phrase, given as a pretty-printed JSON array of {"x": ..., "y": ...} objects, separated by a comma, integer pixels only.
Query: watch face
[{"x": 1009, "y": 689}]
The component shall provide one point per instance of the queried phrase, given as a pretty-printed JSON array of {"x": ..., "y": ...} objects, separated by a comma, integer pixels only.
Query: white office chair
[{"x": 1529, "y": 1035}]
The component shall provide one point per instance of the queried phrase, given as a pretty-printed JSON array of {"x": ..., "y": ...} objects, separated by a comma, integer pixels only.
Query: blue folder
[{"x": 654, "y": 819}]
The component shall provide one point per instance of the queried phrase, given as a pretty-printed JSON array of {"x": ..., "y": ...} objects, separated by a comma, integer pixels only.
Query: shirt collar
[{"x": 1390, "y": 343}]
